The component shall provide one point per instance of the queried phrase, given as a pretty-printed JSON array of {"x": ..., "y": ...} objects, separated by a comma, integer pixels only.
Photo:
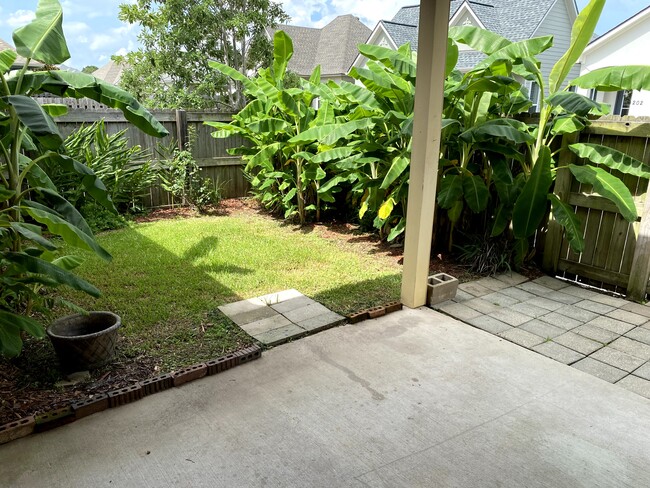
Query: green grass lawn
[{"x": 168, "y": 277}]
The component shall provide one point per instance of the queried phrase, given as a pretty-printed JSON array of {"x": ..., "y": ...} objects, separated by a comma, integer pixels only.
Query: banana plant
[
  {"x": 291, "y": 141},
  {"x": 29, "y": 201}
]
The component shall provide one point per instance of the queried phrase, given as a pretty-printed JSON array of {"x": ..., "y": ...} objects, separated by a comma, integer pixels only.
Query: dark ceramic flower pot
[{"x": 85, "y": 341}]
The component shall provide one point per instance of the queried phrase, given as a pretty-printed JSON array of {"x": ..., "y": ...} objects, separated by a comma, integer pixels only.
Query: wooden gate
[{"x": 617, "y": 253}]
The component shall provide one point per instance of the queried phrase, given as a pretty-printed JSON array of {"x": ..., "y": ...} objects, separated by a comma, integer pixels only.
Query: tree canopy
[{"x": 180, "y": 37}]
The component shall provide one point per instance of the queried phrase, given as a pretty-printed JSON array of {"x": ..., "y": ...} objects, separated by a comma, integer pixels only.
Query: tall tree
[{"x": 179, "y": 37}]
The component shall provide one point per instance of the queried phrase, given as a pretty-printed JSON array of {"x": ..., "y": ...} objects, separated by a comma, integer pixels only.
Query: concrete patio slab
[{"x": 413, "y": 399}]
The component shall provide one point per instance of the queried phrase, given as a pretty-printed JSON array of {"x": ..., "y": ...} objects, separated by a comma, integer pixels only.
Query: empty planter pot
[
  {"x": 85, "y": 341},
  {"x": 441, "y": 287}
]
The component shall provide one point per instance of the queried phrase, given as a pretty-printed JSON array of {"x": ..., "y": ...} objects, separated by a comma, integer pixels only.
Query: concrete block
[
  {"x": 578, "y": 343},
  {"x": 542, "y": 329},
  {"x": 16, "y": 429},
  {"x": 54, "y": 418},
  {"x": 611, "y": 324},
  {"x": 125, "y": 395},
  {"x": 618, "y": 359},
  {"x": 640, "y": 334},
  {"x": 517, "y": 294},
  {"x": 281, "y": 335},
  {"x": 558, "y": 352},
  {"x": 535, "y": 288},
  {"x": 550, "y": 282},
  {"x": 595, "y": 307},
  {"x": 441, "y": 287},
  {"x": 357, "y": 317},
  {"x": 632, "y": 347},
  {"x": 576, "y": 313},
  {"x": 630, "y": 317},
  {"x": 264, "y": 325},
  {"x": 373, "y": 312},
  {"x": 640, "y": 386},
  {"x": 190, "y": 373},
  {"x": 489, "y": 324},
  {"x": 600, "y": 370},
  {"x": 596, "y": 333},
  {"x": 157, "y": 384},
  {"x": 83, "y": 408},
  {"x": 393, "y": 306},
  {"x": 559, "y": 320},
  {"x": 522, "y": 337},
  {"x": 637, "y": 308},
  {"x": 510, "y": 317}
]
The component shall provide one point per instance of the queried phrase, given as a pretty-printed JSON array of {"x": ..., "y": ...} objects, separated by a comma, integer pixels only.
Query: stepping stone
[
  {"x": 511, "y": 279},
  {"x": 630, "y": 317},
  {"x": 643, "y": 371},
  {"x": 583, "y": 293},
  {"x": 292, "y": 304},
  {"x": 265, "y": 325},
  {"x": 321, "y": 322},
  {"x": 548, "y": 304},
  {"x": 542, "y": 329},
  {"x": 279, "y": 336},
  {"x": 307, "y": 312},
  {"x": 562, "y": 297},
  {"x": 521, "y": 337},
  {"x": 611, "y": 301},
  {"x": 640, "y": 334},
  {"x": 595, "y": 307},
  {"x": 631, "y": 347},
  {"x": 611, "y": 324},
  {"x": 489, "y": 324}
]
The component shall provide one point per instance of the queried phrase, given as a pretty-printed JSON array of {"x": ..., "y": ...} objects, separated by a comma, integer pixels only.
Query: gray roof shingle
[
  {"x": 20, "y": 61},
  {"x": 334, "y": 46},
  {"x": 111, "y": 72}
]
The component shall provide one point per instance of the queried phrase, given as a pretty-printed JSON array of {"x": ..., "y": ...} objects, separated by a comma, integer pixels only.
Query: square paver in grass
[
  {"x": 461, "y": 311},
  {"x": 611, "y": 324},
  {"x": 542, "y": 329},
  {"x": 632, "y": 347},
  {"x": 264, "y": 325},
  {"x": 596, "y": 333},
  {"x": 595, "y": 307},
  {"x": 292, "y": 304},
  {"x": 510, "y": 316},
  {"x": 643, "y": 371},
  {"x": 550, "y": 282},
  {"x": 498, "y": 298},
  {"x": 306, "y": 312},
  {"x": 512, "y": 278},
  {"x": 321, "y": 322},
  {"x": 473, "y": 289},
  {"x": 558, "y": 352},
  {"x": 640, "y": 386},
  {"x": 578, "y": 343},
  {"x": 482, "y": 306},
  {"x": 559, "y": 320},
  {"x": 630, "y": 317},
  {"x": 600, "y": 370},
  {"x": 618, "y": 359},
  {"x": 548, "y": 304},
  {"x": 490, "y": 324},
  {"x": 640, "y": 334},
  {"x": 535, "y": 288},
  {"x": 279, "y": 336},
  {"x": 576, "y": 313},
  {"x": 637, "y": 308},
  {"x": 522, "y": 337}
]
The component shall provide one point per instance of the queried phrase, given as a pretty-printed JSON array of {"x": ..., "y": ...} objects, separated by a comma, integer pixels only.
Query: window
[
  {"x": 534, "y": 97},
  {"x": 593, "y": 94},
  {"x": 623, "y": 102}
]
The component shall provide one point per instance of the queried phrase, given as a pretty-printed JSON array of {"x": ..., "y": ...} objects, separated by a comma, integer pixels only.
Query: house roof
[
  {"x": 111, "y": 72},
  {"x": 20, "y": 61},
  {"x": 334, "y": 46},
  {"x": 515, "y": 20},
  {"x": 620, "y": 28}
]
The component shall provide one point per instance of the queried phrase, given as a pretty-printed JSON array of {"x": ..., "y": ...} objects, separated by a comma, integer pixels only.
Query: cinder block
[
  {"x": 248, "y": 354},
  {"x": 190, "y": 373},
  {"x": 97, "y": 403},
  {"x": 17, "y": 429}
]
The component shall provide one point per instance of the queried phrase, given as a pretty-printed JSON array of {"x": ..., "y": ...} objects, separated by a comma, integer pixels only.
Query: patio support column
[{"x": 425, "y": 155}]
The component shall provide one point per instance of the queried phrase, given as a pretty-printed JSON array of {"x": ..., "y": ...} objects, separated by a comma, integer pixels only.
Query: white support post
[{"x": 427, "y": 125}]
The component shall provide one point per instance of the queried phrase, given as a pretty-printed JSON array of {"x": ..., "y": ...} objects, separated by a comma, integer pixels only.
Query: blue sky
[{"x": 95, "y": 33}]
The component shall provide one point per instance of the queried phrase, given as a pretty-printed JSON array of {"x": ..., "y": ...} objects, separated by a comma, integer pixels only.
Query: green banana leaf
[
  {"x": 331, "y": 133},
  {"x": 611, "y": 158},
  {"x": 11, "y": 326},
  {"x": 481, "y": 40},
  {"x": 398, "y": 166},
  {"x": 530, "y": 207},
  {"x": 475, "y": 192},
  {"x": 574, "y": 103},
  {"x": 450, "y": 190},
  {"x": 390, "y": 58},
  {"x": 609, "y": 186},
  {"x": 615, "y": 78},
  {"x": 282, "y": 53},
  {"x": 7, "y": 59},
  {"x": 42, "y": 39},
  {"x": 509, "y": 129},
  {"x": 582, "y": 33},
  {"x": 33, "y": 233},
  {"x": 567, "y": 218},
  {"x": 517, "y": 50},
  {"x": 32, "y": 115}
]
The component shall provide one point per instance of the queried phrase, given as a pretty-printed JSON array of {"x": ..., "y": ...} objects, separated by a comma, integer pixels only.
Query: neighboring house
[
  {"x": 626, "y": 44},
  {"x": 20, "y": 61},
  {"x": 334, "y": 47},
  {"x": 111, "y": 72},
  {"x": 515, "y": 20}
]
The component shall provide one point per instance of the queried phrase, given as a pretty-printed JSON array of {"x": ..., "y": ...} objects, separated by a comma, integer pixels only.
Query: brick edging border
[
  {"x": 374, "y": 312},
  {"x": 76, "y": 410}
]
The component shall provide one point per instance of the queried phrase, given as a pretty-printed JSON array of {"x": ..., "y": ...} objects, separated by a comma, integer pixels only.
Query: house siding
[{"x": 558, "y": 24}]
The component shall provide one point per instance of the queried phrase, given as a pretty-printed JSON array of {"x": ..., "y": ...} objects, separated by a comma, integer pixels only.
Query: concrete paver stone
[
  {"x": 492, "y": 283},
  {"x": 600, "y": 370},
  {"x": 550, "y": 282},
  {"x": 630, "y": 317},
  {"x": 609, "y": 300},
  {"x": 521, "y": 337},
  {"x": 498, "y": 298},
  {"x": 510, "y": 317},
  {"x": 583, "y": 293},
  {"x": 529, "y": 309},
  {"x": 640, "y": 334},
  {"x": 482, "y": 305},
  {"x": 264, "y": 325},
  {"x": 560, "y": 320},
  {"x": 489, "y": 324},
  {"x": 512, "y": 278},
  {"x": 576, "y": 313},
  {"x": 462, "y": 311},
  {"x": 518, "y": 294},
  {"x": 639, "y": 386},
  {"x": 578, "y": 343},
  {"x": 281, "y": 335},
  {"x": 618, "y": 359},
  {"x": 292, "y": 304},
  {"x": 321, "y": 322},
  {"x": 596, "y": 333},
  {"x": 473, "y": 289},
  {"x": 307, "y": 312},
  {"x": 563, "y": 297},
  {"x": 244, "y": 318},
  {"x": 462, "y": 296},
  {"x": 632, "y": 347},
  {"x": 542, "y": 329},
  {"x": 236, "y": 308},
  {"x": 280, "y": 296},
  {"x": 595, "y": 307},
  {"x": 535, "y": 288},
  {"x": 550, "y": 305},
  {"x": 558, "y": 352},
  {"x": 638, "y": 309},
  {"x": 643, "y": 371},
  {"x": 611, "y": 324}
]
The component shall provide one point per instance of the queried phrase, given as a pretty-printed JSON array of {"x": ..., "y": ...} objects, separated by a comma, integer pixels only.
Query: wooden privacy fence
[
  {"x": 617, "y": 253},
  {"x": 210, "y": 153}
]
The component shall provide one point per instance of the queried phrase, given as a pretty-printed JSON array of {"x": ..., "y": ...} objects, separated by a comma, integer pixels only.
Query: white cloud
[
  {"x": 74, "y": 28},
  {"x": 19, "y": 18},
  {"x": 100, "y": 41},
  {"x": 122, "y": 51}
]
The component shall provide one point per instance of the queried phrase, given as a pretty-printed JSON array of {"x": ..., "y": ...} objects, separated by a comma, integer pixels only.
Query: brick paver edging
[
  {"x": 374, "y": 312},
  {"x": 80, "y": 409}
]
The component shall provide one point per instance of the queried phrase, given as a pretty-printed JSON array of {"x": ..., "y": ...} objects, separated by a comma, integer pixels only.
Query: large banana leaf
[
  {"x": 509, "y": 129},
  {"x": 249, "y": 85},
  {"x": 390, "y": 58},
  {"x": 517, "y": 50},
  {"x": 331, "y": 133},
  {"x": 269, "y": 125},
  {"x": 358, "y": 94},
  {"x": 397, "y": 167},
  {"x": 11, "y": 326},
  {"x": 33, "y": 233},
  {"x": 282, "y": 52},
  {"x": 7, "y": 58},
  {"x": 574, "y": 103},
  {"x": 450, "y": 190},
  {"x": 32, "y": 115},
  {"x": 43, "y": 38},
  {"x": 63, "y": 208},
  {"x": 568, "y": 219},
  {"x": 567, "y": 125},
  {"x": 478, "y": 39},
  {"x": 452, "y": 57},
  {"x": 475, "y": 192},
  {"x": 581, "y": 34},
  {"x": 608, "y": 186},
  {"x": 616, "y": 78},
  {"x": 333, "y": 154},
  {"x": 611, "y": 158},
  {"x": 530, "y": 207}
]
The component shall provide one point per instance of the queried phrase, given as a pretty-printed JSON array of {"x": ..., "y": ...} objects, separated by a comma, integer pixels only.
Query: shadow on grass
[{"x": 361, "y": 295}]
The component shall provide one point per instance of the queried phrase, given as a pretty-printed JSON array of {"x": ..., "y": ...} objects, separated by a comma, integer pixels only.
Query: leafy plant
[
  {"x": 484, "y": 254},
  {"x": 29, "y": 200}
]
